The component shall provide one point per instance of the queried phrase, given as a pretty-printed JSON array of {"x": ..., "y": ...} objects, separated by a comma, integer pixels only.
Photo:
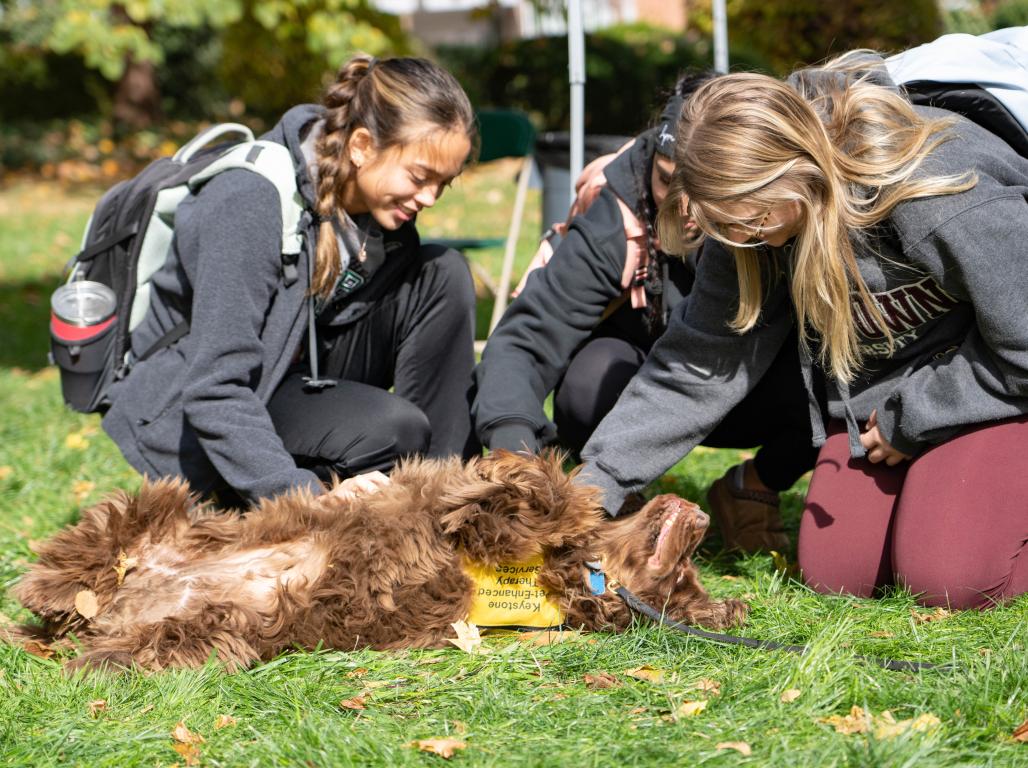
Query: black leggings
[
  {"x": 774, "y": 415},
  {"x": 418, "y": 339}
]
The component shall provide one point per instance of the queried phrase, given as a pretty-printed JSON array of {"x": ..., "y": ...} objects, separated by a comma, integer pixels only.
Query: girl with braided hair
[
  {"x": 889, "y": 241},
  {"x": 230, "y": 406},
  {"x": 587, "y": 314}
]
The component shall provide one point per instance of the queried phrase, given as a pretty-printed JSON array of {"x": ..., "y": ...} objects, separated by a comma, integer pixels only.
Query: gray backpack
[{"x": 128, "y": 239}]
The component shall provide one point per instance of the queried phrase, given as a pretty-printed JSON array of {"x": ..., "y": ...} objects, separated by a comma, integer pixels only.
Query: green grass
[{"x": 519, "y": 705}]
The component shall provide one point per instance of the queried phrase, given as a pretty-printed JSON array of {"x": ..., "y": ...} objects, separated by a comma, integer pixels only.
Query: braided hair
[{"x": 398, "y": 101}]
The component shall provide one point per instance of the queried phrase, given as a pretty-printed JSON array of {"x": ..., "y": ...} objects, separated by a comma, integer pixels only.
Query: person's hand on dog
[
  {"x": 877, "y": 447},
  {"x": 359, "y": 485}
]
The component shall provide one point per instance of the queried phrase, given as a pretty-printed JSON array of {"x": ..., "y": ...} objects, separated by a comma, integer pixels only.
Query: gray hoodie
[
  {"x": 197, "y": 409},
  {"x": 951, "y": 276}
]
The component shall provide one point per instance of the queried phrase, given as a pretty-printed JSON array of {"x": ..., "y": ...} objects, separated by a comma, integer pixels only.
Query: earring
[{"x": 758, "y": 233}]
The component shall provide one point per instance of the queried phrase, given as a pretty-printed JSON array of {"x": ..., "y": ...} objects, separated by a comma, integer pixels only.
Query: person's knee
[
  {"x": 451, "y": 276},
  {"x": 956, "y": 580},
  {"x": 406, "y": 428}
]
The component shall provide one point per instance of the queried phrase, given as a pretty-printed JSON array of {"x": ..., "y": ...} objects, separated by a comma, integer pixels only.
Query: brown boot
[{"x": 749, "y": 521}]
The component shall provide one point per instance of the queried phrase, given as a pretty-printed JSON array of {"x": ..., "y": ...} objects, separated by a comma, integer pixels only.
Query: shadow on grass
[{"x": 25, "y": 319}]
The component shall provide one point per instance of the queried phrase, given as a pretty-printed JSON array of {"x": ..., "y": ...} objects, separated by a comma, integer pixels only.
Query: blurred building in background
[{"x": 482, "y": 22}]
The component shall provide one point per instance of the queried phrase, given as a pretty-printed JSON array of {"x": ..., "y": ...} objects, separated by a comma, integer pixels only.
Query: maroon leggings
[{"x": 951, "y": 525}]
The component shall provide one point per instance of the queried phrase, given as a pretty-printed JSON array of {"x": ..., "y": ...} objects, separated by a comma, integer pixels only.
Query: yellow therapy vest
[{"x": 507, "y": 596}]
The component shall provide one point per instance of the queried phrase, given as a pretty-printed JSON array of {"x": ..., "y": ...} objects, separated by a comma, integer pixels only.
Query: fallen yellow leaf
[
  {"x": 857, "y": 721},
  {"x": 224, "y": 721},
  {"x": 790, "y": 695},
  {"x": 86, "y": 604},
  {"x": 125, "y": 564},
  {"x": 727, "y": 577},
  {"x": 1021, "y": 733},
  {"x": 183, "y": 735},
  {"x": 189, "y": 752},
  {"x": 6, "y": 472},
  {"x": 690, "y": 708},
  {"x": 881, "y": 633},
  {"x": 468, "y": 637},
  {"x": 76, "y": 441},
  {"x": 81, "y": 489},
  {"x": 442, "y": 747},
  {"x": 739, "y": 746},
  {"x": 359, "y": 672},
  {"x": 647, "y": 673}
]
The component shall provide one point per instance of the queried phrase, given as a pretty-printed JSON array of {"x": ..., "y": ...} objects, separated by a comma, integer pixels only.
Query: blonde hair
[
  {"x": 835, "y": 141},
  {"x": 398, "y": 101}
]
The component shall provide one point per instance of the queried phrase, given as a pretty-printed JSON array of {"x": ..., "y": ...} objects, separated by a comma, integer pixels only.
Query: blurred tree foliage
[
  {"x": 129, "y": 42},
  {"x": 628, "y": 69},
  {"x": 792, "y": 33}
]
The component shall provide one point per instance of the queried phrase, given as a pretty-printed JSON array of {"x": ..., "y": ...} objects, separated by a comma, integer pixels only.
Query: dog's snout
[{"x": 702, "y": 518}]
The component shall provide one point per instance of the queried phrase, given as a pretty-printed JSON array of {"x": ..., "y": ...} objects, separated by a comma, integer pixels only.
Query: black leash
[{"x": 637, "y": 605}]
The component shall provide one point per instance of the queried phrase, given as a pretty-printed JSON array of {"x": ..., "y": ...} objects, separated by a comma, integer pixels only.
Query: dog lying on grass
[{"x": 176, "y": 582}]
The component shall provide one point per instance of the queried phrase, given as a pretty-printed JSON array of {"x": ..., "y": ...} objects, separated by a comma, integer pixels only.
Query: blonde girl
[{"x": 895, "y": 240}]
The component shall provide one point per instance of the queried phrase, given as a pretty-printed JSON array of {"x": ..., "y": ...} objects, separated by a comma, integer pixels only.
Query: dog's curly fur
[{"x": 381, "y": 570}]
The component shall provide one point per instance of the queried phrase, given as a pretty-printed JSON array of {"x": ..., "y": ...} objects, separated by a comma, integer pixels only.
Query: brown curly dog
[{"x": 177, "y": 582}]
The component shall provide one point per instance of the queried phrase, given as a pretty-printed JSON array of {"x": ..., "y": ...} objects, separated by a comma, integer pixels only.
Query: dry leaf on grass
[
  {"x": 883, "y": 726},
  {"x": 690, "y": 709},
  {"x": 442, "y": 747},
  {"x": 357, "y": 702},
  {"x": 183, "y": 735},
  {"x": 81, "y": 489},
  {"x": 362, "y": 672},
  {"x": 125, "y": 564},
  {"x": 96, "y": 706},
  {"x": 857, "y": 721},
  {"x": 601, "y": 680},
  {"x": 76, "y": 441},
  {"x": 880, "y": 633},
  {"x": 1021, "y": 733},
  {"x": 6, "y": 471},
  {"x": 86, "y": 604},
  {"x": 923, "y": 618},
  {"x": 189, "y": 752},
  {"x": 790, "y": 695},
  {"x": 468, "y": 638},
  {"x": 36, "y": 648},
  {"x": 713, "y": 687},
  {"x": 224, "y": 721},
  {"x": 728, "y": 577},
  {"x": 739, "y": 746},
  {"x": 647, "y": 673}
]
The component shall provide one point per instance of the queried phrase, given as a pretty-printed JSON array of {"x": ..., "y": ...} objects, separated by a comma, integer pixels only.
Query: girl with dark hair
[
  {"x": 585, "y": 318},
  {"x": 229, "y": 406}
]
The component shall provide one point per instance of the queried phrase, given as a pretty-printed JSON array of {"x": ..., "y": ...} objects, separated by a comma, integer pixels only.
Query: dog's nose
[{"x": 702, "y": 519}]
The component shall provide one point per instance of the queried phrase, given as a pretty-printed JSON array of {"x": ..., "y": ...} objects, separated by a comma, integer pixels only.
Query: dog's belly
[{"x": 167, "y": 582}]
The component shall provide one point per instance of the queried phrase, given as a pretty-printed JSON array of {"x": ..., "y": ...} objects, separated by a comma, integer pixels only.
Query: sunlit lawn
[{"x": 521, "y": 704}]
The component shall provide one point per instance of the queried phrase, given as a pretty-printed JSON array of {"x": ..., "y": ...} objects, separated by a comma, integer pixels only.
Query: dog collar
[{"x": 597, "y": 578}]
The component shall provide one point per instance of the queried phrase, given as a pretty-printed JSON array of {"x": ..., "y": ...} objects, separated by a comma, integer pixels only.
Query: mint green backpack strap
[{"x": 275, "y": 163}]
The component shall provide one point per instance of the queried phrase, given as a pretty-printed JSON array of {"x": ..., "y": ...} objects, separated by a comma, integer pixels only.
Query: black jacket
[{"x": 563, "y": 305}]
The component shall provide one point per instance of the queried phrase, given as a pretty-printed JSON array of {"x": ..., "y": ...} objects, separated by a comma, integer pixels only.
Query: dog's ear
[{"x": 511, "y": 505}]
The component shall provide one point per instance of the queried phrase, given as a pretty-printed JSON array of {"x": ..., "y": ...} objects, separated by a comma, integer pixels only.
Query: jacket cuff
[
  {"x": 613, "y": 493},
  {"x": 888, "y": 426},
  {"x": 512, "y": 435}
]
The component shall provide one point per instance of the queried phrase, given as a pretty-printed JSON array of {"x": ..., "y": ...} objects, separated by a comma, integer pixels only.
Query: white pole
[
  {"x": 720, "y": 37},
  {"x": 576, "y": 77}
]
